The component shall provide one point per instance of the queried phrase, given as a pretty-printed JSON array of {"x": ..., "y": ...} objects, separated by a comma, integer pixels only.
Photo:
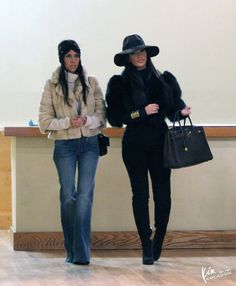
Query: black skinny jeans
[{"x": 140, "y": 160}]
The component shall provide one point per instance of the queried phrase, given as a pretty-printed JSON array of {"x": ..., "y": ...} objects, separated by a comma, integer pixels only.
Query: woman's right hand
[
  {"x": 152, "y": 108},
  {"x": 77, "y": 121}
]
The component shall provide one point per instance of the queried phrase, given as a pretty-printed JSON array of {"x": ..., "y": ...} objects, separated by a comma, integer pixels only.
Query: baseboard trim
[{"x": 29, "y": 241}]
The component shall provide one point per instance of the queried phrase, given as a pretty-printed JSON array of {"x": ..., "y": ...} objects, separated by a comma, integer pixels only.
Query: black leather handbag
[
  {"x": 185, "y": 145},
  {"x": 103, "y": 142}
]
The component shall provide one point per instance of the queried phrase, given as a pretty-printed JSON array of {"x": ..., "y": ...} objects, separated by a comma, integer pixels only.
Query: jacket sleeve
[
  {"x": 47, "y": 115},
  {"x": 113, "y": 100},
  {"x": 178, "y": 103},
  {"x": 100, "y": 108},
  {"x": 117, "y": 114}
]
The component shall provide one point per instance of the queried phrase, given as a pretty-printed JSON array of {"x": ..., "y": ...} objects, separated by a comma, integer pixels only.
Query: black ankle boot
[
  {"x": 156, "y": 251},
  {"x": 147, "y": 252},
  {"x": 157, "y": 245}
]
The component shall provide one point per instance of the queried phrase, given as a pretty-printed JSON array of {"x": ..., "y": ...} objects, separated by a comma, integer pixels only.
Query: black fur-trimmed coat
[{"x": 144, "y": 128}]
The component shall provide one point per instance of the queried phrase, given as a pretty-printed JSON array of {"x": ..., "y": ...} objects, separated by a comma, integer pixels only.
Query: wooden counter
[
  {"x": 203, "y": 196},
  {"x": 211, "y": 131}
]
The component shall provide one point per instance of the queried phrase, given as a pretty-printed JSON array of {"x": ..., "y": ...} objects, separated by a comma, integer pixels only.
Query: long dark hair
[{"x": 64, "y": 84}]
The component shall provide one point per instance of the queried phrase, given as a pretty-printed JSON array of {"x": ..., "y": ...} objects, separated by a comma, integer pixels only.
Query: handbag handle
[
  {"x": 185, "y": 119},
  {"x": 176, "y": 118}
]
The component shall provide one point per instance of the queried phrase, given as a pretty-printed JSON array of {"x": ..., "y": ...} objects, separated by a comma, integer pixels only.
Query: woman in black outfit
[{"x": 141, "y": 98}]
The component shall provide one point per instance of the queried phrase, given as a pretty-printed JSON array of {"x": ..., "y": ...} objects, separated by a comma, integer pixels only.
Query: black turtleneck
[{"x": 143, "y": 73}]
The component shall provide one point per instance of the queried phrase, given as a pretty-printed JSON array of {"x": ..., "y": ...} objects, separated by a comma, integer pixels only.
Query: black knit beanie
[{"x": 65, "y": 46}]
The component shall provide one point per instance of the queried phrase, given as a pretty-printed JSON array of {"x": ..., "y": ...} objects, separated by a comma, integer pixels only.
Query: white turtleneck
[
  {"x": 71, "y": 78},
  {"x": 92, "y": 121}
]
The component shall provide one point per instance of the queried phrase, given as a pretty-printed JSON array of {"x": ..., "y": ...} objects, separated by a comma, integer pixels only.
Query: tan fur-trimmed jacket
[{"x": 55, "y": 112}]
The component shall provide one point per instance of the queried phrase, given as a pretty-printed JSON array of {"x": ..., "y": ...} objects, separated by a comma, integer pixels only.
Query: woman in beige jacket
[{"x": 72, "y": 112}]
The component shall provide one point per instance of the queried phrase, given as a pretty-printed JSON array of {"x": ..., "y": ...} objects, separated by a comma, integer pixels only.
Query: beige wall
[
  {"x": 5, "y": 182},
  {"x": 203, "y": 196},
  {"x": 196, "y": 41}
]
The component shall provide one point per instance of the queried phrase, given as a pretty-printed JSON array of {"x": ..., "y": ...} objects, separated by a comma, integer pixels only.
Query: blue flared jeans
[{"x": 76, "y": 162}]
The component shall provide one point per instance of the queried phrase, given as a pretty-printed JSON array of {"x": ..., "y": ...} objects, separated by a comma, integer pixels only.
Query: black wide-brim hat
[{"x": 131, "y": 44}]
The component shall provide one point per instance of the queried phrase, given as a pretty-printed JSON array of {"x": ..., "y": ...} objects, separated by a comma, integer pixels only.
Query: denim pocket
[
  {"x": 92, "y": 144},
  {"x": 60, "y": 142},
  {"x": 65, "y": 148}
]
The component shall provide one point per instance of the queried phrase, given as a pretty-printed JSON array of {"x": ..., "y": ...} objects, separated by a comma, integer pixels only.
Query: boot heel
[
  {"x": 157, "y": 246},
  {"x": 147, "y": 253},
  {"x": 148, "y": 260}
]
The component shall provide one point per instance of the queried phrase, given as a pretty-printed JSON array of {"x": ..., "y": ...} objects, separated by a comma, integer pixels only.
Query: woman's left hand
[
  {"x": 186, "y": 111},
  {"x": 78, "y": 121}
]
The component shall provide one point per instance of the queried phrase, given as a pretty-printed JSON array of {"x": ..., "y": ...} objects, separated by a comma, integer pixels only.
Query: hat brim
[{"x": 120, "y": 59}]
